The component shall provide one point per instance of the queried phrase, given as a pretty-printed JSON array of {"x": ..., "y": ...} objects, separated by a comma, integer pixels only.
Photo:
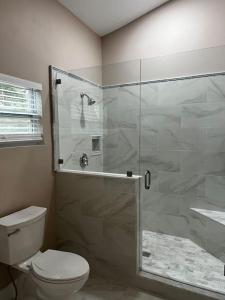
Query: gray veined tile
[
  {"x": 191, "y": 162},
  {"x": 190, "y": 139},
  {"x": 148, "y": 140},
  {"x": 92, "y": 230},
  {"x": 216, "y": 89},
  {"x": 128, "y": 106},
  {"x": 181, "y": 259},
  {"x": 100, "y": 289},
  {"x": 134, "y": 294},
  {"x": 123, "y": 156},
  {"x": 213, "y": 140},
  {"x": 215, "y": 190},
  {"x": 165, "y": 223},
  {"x": 122, "y": 108},
  {"x": 130, "y": 94},
  {"x": 88, "y": 200},
  {"x": 110, "y": 99},
  {"x": 64, "y": 117},
  {"x": 149, "y": 96},
  {"x": 161, "y": 117},
  {"x": 214, "y": 164},
  {"x": 160, "y": 161},
  {"x": 182, "y": 91},
  {"x": 120, "y": 241},
  {"x": 203, "y": 115},
  {"x": 181, "y": 183},
  {"x": 159, "y": 203},
  {"x": 112, "y": 185},
  {"x": 169, "y": 139},
  {"x": 110, "y": 108},
  {"x": 115, "y": 204}
]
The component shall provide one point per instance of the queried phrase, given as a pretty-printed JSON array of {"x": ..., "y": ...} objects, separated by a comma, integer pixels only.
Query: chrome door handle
[{"x": 147, "y": 179}]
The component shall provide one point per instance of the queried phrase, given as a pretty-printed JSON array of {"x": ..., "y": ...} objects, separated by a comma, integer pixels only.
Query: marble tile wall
[
  {"x": 121, "y": 129},
  {"x": 114, "y": 117},
  {"x": 79, "y": 122},
  {"x": 183, "y": 144},
  {"x": 97, "y": 218}
]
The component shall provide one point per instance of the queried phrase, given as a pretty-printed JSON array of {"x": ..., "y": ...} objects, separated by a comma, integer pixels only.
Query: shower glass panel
[
  {"x": 78, "y": 123},
  {"x": 121, "y": 102},
  {"x": 182, "y": 144},
  {"x": 96, "y": 118}
]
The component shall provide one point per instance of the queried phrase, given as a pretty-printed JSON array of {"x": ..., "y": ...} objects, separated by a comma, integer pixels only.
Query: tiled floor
[
  {"x": 181, "y": 259},
  {"x": 101, "y": 289}
]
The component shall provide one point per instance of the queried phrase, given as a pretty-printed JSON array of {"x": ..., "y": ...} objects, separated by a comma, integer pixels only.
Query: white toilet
[{"x": 56, "y": 274}]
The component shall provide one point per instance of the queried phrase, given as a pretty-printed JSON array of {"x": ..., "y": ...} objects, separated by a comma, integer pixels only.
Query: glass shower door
[{"x": 182, "y": 159}]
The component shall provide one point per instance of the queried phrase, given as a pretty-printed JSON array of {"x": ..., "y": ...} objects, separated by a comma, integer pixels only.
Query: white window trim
[
  {"x": 20, "y": 137},
  {"x": 20, "y": 82},
  {"x": 8, "y": 140}
]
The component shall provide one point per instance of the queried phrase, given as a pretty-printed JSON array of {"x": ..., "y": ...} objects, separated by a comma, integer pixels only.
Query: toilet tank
[{"x": 21, "y": 234}]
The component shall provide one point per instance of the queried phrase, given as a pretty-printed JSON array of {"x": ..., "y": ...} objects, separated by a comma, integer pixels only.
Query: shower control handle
[
  {"x": 147, "y": 179},
  {"x": 84, "y": 161}
]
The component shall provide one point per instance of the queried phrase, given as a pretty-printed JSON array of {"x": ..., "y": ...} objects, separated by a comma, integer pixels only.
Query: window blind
[{"x": 20, "y": 112}]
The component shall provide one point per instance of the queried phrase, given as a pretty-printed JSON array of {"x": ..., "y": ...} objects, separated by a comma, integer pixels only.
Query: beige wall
[
  {"x": 37, "y": 33},
  {"x": 33, "y": 35},
  {"x": 179, "y": 25}
]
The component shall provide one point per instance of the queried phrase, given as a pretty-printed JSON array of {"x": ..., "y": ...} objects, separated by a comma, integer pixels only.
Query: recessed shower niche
[{"x": 96, "y": 144}]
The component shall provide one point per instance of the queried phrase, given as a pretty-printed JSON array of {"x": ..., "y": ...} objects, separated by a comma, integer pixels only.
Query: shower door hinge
[
  {"x": 58, "y": 81},
  {"x": 60, "y": 161}
]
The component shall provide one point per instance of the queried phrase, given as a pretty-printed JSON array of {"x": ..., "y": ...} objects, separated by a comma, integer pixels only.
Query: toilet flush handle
[{"x": 14, "y": 232}]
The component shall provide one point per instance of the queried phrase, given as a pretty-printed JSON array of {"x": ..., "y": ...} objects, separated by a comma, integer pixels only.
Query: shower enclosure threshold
[
  {"x": 181, "y": 260},
  {"x": 101, "y": 174}
]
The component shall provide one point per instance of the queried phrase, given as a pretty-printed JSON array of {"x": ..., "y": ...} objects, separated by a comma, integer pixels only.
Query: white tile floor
[{"x": 182, "y": 260}]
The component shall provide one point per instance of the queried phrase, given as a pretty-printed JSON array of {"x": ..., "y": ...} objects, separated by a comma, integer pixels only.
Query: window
[{"x": 20, "y": 111}]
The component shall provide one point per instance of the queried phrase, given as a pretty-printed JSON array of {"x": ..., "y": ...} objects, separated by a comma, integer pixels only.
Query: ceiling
[{"x": 105, "y": 16}]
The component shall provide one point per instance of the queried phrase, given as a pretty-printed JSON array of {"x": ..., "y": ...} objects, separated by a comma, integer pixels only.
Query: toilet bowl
[{"x": 56, "y": 274}]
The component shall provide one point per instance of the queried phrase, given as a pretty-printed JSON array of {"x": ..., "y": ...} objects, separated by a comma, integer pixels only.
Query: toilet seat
[{"x": 57, "y": 267}]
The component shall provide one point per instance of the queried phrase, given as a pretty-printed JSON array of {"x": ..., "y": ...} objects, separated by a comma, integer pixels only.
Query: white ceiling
[{"x": 105, "y": 16}]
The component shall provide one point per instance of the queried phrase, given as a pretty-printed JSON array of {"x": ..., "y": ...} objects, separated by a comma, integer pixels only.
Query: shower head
[{"x": 90, "y": 100}]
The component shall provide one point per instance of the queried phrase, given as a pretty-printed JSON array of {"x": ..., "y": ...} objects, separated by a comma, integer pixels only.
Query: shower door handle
[{"x": 147, "y": 179}]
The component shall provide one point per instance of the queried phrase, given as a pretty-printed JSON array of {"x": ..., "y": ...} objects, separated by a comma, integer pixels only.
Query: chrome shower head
[{"x": 90, "y": 100}]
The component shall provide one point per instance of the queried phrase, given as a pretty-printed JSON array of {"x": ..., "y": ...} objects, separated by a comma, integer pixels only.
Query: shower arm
[{"x": 90, "y": 100}]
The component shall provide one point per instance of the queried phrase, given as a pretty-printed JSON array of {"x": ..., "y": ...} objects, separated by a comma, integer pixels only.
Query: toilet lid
[{"x": 55, "y": 265}]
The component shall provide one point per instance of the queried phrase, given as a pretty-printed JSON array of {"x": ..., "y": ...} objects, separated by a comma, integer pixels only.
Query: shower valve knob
[{"x": 84, "y": 160}]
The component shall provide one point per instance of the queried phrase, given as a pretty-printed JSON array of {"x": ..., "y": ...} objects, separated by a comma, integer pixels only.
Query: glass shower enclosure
[
  {"x": 182, "y": 144},
  {"x": 163, "y": 119},
  {"x": 96, "y": 119}
]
